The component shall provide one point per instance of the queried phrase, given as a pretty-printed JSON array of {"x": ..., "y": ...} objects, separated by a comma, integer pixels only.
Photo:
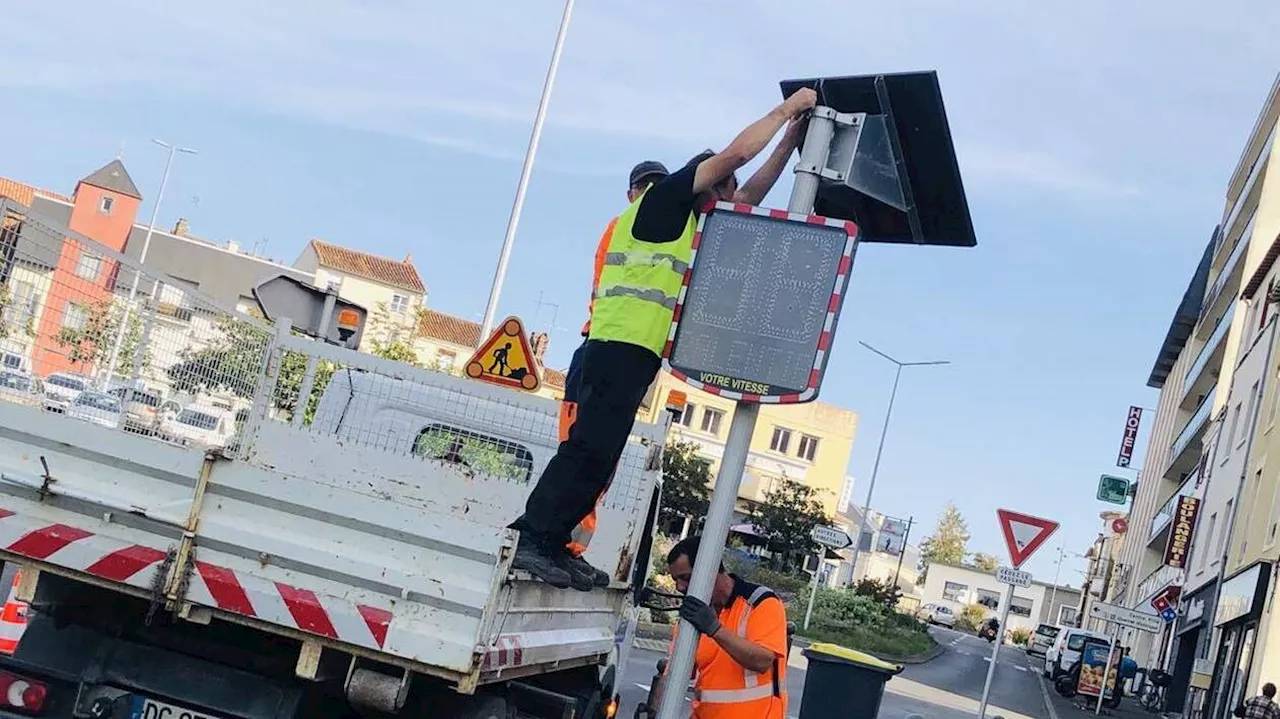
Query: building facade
[{"x": 959, "y": 587}]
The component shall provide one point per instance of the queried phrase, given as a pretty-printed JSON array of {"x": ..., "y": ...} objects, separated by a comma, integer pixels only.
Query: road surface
[{"x": 948, "y": 687}]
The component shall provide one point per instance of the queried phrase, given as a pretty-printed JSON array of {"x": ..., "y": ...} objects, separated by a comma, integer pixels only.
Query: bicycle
[{"x": 1153, "y": 694}]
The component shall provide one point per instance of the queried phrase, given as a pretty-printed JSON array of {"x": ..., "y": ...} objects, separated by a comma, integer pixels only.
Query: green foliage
[
  {"x": 1021, "y": 637},
  {"x": 686, "y": 483},
  {"x": 841, "y": 606},
  {"x": 860, "y": 622},
  {"x": 91, "y": 343},
  {"x": 785, "y": 584},
  {"x": 7, "y": 324},
  {"x": 885, "y": 593},
  {"x": 785, "y": 519},
  {"x": 985, "y": 562},
  {"x": 481, "y": 455},
  {"x": 970, "y": 617},
  {"x": 396, "y": 352},
  {"x": 947, "y": 543}
]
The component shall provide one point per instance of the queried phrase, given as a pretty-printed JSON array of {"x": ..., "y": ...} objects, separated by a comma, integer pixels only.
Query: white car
[
  {"x": 1042, "y": 639},
  {"x": 97, "y": 407},
  {"x": 939, "y": 614},
  {"x": 1065, "y": 650},
  {"x": 61, "y": 389},
  {"x": 199, "y": 425},
  {"x": 20, "y": 388}
]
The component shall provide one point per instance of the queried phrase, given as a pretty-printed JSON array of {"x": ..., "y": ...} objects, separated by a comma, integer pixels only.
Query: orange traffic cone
[{"x": 13, "y": 619}]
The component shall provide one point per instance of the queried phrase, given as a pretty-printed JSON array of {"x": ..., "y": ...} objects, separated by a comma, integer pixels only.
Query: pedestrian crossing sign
[{"x": 506, "y": 358}]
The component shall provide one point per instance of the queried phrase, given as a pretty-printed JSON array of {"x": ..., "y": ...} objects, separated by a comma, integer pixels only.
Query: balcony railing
[
  {"x": 1193, "y": 426},
  {"x": 1214, "y": 292},
  {"x": 1165, "y": 514},
  {"x": 1202, "y": 359},
  {"x": 1254, "y": 172}
]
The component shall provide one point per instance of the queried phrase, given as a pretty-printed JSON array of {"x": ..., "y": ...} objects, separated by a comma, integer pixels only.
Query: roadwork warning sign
[{"x": 506, "y": 358}]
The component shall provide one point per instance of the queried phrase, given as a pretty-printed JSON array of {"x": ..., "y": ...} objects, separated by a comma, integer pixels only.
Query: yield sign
[{"x": 1023, "y": 534}]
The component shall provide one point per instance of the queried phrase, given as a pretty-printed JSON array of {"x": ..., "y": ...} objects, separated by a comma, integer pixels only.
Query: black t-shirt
[{"x": 666, "y": 207}]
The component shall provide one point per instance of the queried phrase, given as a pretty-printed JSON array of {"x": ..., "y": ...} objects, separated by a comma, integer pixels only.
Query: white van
[{"x": 1065, "y": 650}]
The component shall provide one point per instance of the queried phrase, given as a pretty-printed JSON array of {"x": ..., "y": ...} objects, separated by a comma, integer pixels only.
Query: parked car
[
  {"x": 939, "y": 614},
  {"x": 140, "y": 409},
  {"x": 20, "y": 388},
  {"x": 1042, "y": 639},
  {"x": 199, "y": 425},
  {"x": 61, "y": 389},
  {"x": 1065, "y": 650},
  {"x": 989, "y": 630},
  {"x": 97, "y": 407}
]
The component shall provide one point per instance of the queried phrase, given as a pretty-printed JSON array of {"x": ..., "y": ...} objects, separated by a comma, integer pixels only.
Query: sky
[{"x": 1095, "y": 140}]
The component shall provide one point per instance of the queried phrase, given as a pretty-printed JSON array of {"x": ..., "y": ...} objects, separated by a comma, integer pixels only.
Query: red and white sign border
[
  {"x": 1007, "y": 517},
  {"x": 833, "y": 306}
]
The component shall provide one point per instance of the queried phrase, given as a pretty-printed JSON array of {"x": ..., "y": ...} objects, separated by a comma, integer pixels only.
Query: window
[
  {"x": 711, "y": 420},
  {"x": 1066, "y": 615},
  {"x": 105, "y": 204},
  {"x": 808, "y": 447},
  {"x": 73, "y": 316},
  {"x": 1266, "y": 304},
  {"x": 954, "y": 592},
  {"x": 399, "y": 304},
  {"x": 1204, "y": 556},
  {"x": 1221, "y": 544},
  {"x": 781, "y": 440},
  {"x": 1249, "y": 416},
  {"x": 1271, "y": 415},
  {"x": 1020, "y": 607},
  {"x": 1235, "y": 422},
  {"x": 475, "y": 451},
  {"x": 88, "y": 266},
  {"x": 445, "y": 360},
  {"x": 26, "y": 302},
  {"x": 686, "y": 415},
  {"x": 989, "y": 599}
]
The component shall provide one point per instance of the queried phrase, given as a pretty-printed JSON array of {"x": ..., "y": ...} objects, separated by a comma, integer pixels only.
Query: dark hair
[
  {"x": 687, "y": 547},
  {"x": 700, "y": 158},
  {"x": 1268, "y": 690}
]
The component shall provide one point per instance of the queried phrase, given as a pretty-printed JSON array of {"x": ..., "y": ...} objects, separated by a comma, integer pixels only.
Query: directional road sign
[
  {"x": 1125, "y": 616},
  {"x": 1023, "y": 534},
  {"x": 1016, "y": 577},
  {"x": 830, "y": 537}
]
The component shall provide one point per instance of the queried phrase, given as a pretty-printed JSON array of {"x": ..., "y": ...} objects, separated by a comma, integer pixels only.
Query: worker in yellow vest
[
  {"x": 648, "y": 252},
  {"x": 642, "y": 176}
]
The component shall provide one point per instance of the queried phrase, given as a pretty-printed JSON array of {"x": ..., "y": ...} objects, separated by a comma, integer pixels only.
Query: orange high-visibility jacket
[
  {"x": 723, "y": 688},
  {"x": 601, "y": 250}
]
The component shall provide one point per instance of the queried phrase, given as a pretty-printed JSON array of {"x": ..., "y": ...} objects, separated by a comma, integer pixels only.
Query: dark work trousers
[
  {"x": 573, "y": 378},
  {"x": 615, "y": 377}
]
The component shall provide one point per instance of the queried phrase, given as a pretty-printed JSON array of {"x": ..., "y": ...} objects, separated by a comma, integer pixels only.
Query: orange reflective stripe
[
  {"x": 727, "y": 690},
  {"x": 602, "y": 250},
  {"x": 568, "y": 413}
]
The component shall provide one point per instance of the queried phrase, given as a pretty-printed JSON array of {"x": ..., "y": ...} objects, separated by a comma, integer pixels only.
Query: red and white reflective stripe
[
  {"x": 824, "y": 340},
  {"x": 210, "y": 585},
  {"x": 506, "y": 652}
]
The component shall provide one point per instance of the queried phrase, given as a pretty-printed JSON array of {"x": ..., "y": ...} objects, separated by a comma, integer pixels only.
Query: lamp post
[
  {"x": 875, "y": 468},
  {"x": 499, "y": 274},
  {"x": 142, "y": 259}
]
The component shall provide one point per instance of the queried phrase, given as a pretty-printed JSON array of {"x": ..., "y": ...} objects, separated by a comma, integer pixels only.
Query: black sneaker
[
  {"x": 580, "y": 577},
  {"x": 532, "y": 557},
  {"x": 578, "y": 565}
]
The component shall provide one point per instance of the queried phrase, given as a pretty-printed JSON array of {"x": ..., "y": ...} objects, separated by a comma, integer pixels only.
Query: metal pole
[
  {"x": 142, "y": 260},
  {"x": 734, "y": 460},
  {"x": 903, "y": 551},
  {"x": 995, "y": 652},
  {"x": 813, "y": 590},
  {"x": 875, "y": 469},
  {"x": 1053, "y": 593},
  {"x": 525, "y": 171},
  {"x": 1106, "y": 673}
]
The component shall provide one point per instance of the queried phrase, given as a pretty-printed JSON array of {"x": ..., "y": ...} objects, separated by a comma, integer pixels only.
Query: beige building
[{"x": 390, "y": 290}]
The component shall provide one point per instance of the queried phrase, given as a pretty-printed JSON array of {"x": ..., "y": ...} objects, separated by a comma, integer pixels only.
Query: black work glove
[{"x": 702, "y": 617}]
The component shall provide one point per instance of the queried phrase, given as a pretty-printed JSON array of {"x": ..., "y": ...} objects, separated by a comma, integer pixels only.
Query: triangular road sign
[
  {"x": 1023, "y": 534},
  {"x": 506, "y": 358}
]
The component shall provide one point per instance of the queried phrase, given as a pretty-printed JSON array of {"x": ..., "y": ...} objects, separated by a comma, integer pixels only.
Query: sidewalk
[{"x": 1081, "y": 707}]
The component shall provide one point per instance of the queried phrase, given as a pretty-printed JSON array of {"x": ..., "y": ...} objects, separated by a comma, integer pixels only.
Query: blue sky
[{"x": 1095, "y": 140}]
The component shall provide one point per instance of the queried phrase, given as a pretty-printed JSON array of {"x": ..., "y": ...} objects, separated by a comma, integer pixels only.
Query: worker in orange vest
[
  {"x": 740, "y": 668},
  {"x": 642, "y": 176}
]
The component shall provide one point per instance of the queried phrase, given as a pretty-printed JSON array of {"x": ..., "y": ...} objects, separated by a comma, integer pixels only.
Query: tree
[
  {"x": 92, "y": 340},
  {"x": 984, "y": 561},
  {"x": 886, "y": 593},
  {"x": 396, "y": 352},
  {"x": 947, "y": 543},
  {"x": 785, "y": 519},
  {"x": 686, "y": 483}
]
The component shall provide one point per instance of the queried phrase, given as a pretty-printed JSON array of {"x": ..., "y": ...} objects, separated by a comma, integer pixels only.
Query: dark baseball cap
[{"x": 645, "y": 169}]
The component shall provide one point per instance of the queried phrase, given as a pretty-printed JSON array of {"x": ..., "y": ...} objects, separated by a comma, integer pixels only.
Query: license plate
[{"x": 145, "y": 708}]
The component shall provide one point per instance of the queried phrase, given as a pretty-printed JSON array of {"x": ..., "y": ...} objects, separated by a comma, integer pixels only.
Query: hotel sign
[
  {"x": 1180, "y": 532},
  {"x": 1130, "y": 437}
]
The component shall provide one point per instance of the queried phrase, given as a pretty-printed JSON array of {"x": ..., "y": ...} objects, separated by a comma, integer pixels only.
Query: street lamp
[
  {"x": 508, "y": 240},
  {"x": 875, "y": 469},
  {"x": 142, "y": 259}
]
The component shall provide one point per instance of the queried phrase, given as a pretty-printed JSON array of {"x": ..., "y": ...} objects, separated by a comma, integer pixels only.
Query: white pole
[
  {"x": 813, "y": 590},
  {"x": 1053, "y": 593},
  {"x": 995, "y": 652},
  {"x": 514, "y": 220},
  {"x": 1106, "y": 672},
  {"x": 142, "y": 260}
]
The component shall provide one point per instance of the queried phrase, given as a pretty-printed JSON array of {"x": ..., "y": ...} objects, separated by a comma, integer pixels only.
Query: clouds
[{"x": 1038, "y": 96}]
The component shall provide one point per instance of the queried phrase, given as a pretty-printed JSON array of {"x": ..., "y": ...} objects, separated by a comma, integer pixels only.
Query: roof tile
[
  {"x": 25, "y": 193},
  {"x": 448, "y": 328},
  {"x": 396, "y": 273}
]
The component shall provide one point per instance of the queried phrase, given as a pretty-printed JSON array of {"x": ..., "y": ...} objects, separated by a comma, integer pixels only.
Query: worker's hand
[
  {"x": 796, "y": 130},
  {"x": 702, "y": 617},
  {"x": 801, "y": 101}
]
